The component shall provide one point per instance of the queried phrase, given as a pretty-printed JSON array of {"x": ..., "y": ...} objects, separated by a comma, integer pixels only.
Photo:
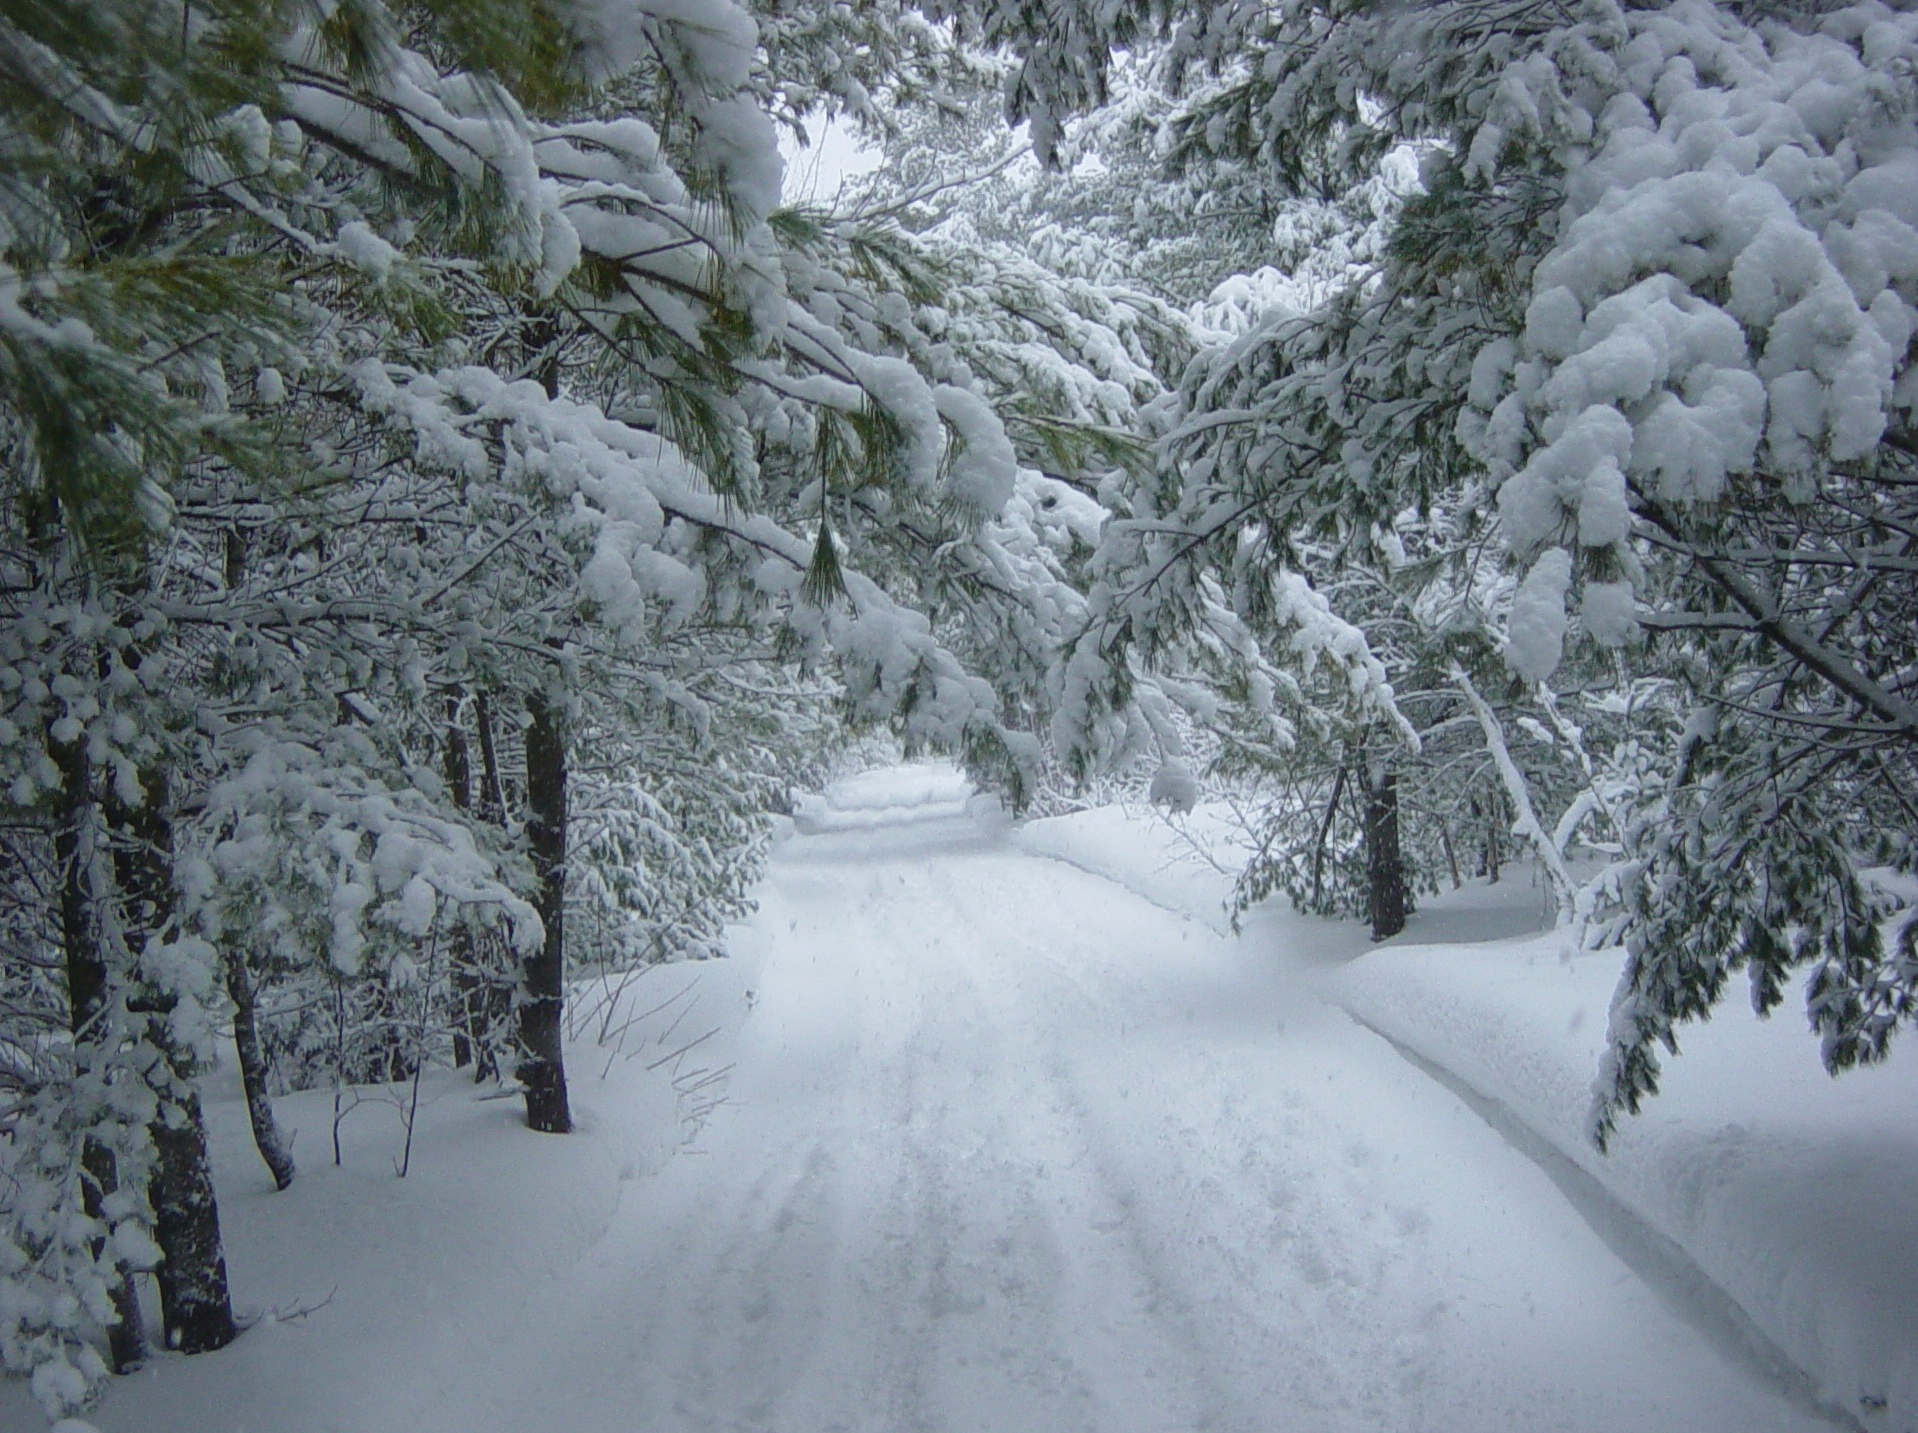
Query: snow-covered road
[
  {"x": 1010, "y": 1149},
  {"x": 1006, "y": 1148}
]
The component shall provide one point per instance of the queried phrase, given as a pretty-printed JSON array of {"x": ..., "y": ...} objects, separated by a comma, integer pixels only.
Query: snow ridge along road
[
  {"x": 1011, "y": 1149},
  {"x": 1006, "y": 1149}
]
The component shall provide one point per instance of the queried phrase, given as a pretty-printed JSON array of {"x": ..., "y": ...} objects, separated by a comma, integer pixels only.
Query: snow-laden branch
[{"x": 1527, "y": 824}]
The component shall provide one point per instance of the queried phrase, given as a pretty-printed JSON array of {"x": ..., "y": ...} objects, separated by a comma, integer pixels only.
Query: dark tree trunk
[
  {"x": 393, "y": 1057},
  {"x": 466, "y": 982},
  {"x": 469, "y": 1000},
  {"x": 239, "y": 988},
  {"x": 1451, "y": 855},
  {"x": 246, "y": 1041},
  {"x": 194, "y": 1300},
  {"x": 1325, "y": 835},
  {"x": 465, "y": 992},
  {"x": 543, "y": 338},
  {"x": 1384, "y": 861},
  {"x": 234, "y": 552},
  {"x": 492, "y": 794},
  {"x": 74, "y": 841},
  {"x": 127, "y": 1337},
  {"x": 492, "y": 995},
  {"x": 542, "y": 1069},
  {"x": 1488, "y": 852}
]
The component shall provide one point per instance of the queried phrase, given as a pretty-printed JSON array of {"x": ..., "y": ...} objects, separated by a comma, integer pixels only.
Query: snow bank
[
  {"x": 1188, "y": 864},
  {"x": 371, "y": 1299},
  {"x": 1185, "y": 865},
  {"x": 1791, "y": 1191}
]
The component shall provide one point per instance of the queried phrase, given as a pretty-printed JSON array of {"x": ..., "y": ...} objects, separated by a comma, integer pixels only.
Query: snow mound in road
[
  {"x": 878, "y": 815},
  {"x": 1791, "y": 1191},
  {"x": 890, "y": 796}
]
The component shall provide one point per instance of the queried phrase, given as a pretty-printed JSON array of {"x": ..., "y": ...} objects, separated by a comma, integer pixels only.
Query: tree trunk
[
  {"x": 493, "y": 995},
  {"x": 1325, "y": 835},
  {"x": 194, "y": 1300},
  {"x": 246, "y": 1041},
  {"x": 458, "y": 769},
  {"x": 393, "y": 1057},
  {"x": 492, "y": 794},
  {"x": 542, "y": 1069},
  {"x": 239, "y": 987},
  {"x": 1385, "y": 863},
  {"x": 74, "y": 842},
  {"x": 127, "y": 1336}
]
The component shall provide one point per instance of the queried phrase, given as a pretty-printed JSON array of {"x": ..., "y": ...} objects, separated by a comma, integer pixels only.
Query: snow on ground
[
  {"x": 1771, "y": 1200},
  {"x": 1004, "y": 1146},
  {"x": 1187, "y": 864},
  {"x": 1792, "y": 1192},
  {"x": 375, "y": 1296},
  {"x": 935, "y": 800},
  {"x": 1184, "y": 864}
]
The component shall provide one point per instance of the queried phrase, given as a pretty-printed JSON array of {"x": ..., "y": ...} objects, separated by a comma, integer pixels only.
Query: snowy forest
[{"x": 1219, "y": 493}]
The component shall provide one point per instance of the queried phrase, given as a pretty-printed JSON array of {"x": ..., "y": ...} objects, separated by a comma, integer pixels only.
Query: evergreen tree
[
  {"x": 377, "y": 380},
  {"x": 1643, "y": 324}
]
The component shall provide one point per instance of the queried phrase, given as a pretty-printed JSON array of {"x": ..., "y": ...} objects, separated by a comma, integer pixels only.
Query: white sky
[{"x": 814, "y": 174}]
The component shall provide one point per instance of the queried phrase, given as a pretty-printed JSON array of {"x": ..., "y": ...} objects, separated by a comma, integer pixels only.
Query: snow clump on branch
[{"x": 1732, "y": 291}]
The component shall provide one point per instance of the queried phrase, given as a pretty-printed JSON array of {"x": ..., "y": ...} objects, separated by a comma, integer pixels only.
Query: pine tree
[
  {"x": 1663, "y": 375},
  {"x": 417, "y": 371}
]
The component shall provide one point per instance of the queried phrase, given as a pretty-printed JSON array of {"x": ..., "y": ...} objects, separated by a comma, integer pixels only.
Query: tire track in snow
[
  {"x": 768, "y": 1276},
  {"x": 1108, "y": 1203},
  {"x": 1207, "y": 1286},
  {"x": 996, "y": 1216}
]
